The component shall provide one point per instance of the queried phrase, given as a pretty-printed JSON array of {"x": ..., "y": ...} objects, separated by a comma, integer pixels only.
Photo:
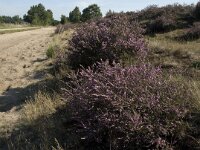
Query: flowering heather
[
  {"x": 106, "y": 39},
  {"x": 162, "y": 19},
  {"x": 126, "y": 108}
]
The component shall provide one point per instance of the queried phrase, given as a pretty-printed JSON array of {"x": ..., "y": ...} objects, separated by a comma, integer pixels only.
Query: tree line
[
  {"x": 7, "y": 19},
  {"x": 75, "y": 16},
  {"x": 39, "y": 15}
]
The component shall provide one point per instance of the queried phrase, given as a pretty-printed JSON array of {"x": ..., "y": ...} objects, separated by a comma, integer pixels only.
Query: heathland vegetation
[{"x": 124, "y": 81}]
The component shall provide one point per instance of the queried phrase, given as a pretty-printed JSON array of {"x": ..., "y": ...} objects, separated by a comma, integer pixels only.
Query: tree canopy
[
  {"x": 92, "y": 11},
  {"x": 64, "y": 19},
  {"x": 75, "y": 15},
  {"x": 38, "y": 15},
  {"x": 7, "y": 19}
]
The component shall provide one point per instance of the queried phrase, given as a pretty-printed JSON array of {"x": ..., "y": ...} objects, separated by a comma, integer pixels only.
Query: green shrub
[
  {"x": 196, "y": 64},
  {"x": 191, "y": 34},
  {"x": 51, "y": 52}
]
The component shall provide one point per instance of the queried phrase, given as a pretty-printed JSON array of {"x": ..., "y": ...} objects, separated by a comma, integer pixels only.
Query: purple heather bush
[
  {"x": 106, "y": 39},
  {"x": 126, "y": 108},
  {"x": 162, "y": 19}
]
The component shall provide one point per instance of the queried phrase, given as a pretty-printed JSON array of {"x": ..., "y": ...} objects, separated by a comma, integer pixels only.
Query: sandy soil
[
  {"x": 22, "y": 54},
  {"x": 21, "y": 28}
]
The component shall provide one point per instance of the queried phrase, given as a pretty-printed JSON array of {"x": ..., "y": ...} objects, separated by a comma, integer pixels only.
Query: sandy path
[{"x": 21, "y": 55}]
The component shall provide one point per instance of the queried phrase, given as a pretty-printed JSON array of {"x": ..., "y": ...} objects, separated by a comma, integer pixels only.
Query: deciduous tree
[
  {"x": 92, "y": 11},
  {"x": 38, "y": 15},
  {"x": 75, "y": 15},
  {"x": 64, "y": 19}
]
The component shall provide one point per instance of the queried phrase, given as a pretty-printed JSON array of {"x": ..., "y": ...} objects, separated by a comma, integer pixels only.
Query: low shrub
[
  {"x": 196, "y": 64},
  {"x": 61, "y": 28},
  {"x": 126, "y": 108},
  {"x": 106, "y": 39},
  {"x": 162, "y": 19},
  {"x": 50, "y": 52},
  {"x": 191, "y": 34},
  {"x": 161, "y": 24}
]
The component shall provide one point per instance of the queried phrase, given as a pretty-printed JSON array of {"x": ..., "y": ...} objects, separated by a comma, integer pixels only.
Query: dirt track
[{"x": 22, "y": 54}]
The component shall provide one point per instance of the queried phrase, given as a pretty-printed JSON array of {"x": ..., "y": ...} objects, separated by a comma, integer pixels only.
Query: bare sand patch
[{"x": 22, "y": 54}]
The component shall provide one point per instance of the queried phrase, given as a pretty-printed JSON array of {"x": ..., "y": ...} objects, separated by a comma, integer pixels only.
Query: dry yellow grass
[
  {"x": 35, "y": 114},
  {"x": 180, "y": 55},
  {"x": 166, "y": 42},
  {"x": 59, "y": 44},
  {"x": 194, "y": 86},
  {"x": 41, "y": 106},
  {"x": 63, "y": 38}
]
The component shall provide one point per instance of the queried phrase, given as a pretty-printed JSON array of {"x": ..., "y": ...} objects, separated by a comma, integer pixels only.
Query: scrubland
[{"x": 110, "y": 84}]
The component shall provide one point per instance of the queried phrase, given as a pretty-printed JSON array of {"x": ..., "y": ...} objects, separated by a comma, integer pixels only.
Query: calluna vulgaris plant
[
  {"x": 161, "y": 19},
  {"x": 126, "y": 108},
  {"x": 106, "y": 39}
]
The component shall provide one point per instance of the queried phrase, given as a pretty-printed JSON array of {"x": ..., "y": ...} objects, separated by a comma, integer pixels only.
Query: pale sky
[{"x": 20, "y": 7}]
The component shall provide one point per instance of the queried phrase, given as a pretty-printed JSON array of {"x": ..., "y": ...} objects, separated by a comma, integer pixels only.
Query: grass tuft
[{"x": 41, "y": 106}]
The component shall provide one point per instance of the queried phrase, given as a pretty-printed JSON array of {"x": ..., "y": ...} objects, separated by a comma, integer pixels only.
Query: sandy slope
[{"x": 21, "y": 55}]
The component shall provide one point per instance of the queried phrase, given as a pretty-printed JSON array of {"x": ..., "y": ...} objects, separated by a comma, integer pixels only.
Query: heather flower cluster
[
  {"x": 116, "y": 107},
  {"x": 126, "y": 108},
  {"x": 106, "y": 39}
]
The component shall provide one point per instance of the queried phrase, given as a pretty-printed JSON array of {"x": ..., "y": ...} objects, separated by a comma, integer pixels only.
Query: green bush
[
  {"x": 51, "y": 52},
  {"x": 196, "y": 64}
]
